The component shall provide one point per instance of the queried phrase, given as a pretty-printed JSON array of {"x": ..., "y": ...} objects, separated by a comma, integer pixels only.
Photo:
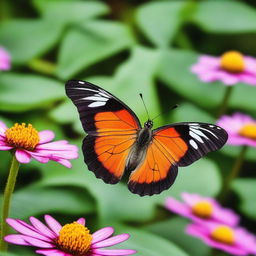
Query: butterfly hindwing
[
  {"x": 174, "y": 145},
  {"x": 111, "y": 128}
]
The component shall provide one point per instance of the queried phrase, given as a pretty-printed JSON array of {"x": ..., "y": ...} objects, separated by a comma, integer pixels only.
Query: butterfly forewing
[{"x": 111, "y": 126}]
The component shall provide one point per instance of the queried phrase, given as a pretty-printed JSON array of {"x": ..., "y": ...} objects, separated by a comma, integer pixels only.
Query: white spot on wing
[
  {"x": 95, "y": 98},
  {"x": 97, "y": 104},
  {"x": 193, "y": 144},
  {"x": 198, "y": 132},
  {"x": 208, "y": 131},
  {"x": 80, "y": 82},
  {"x": 195, "y": 136}
]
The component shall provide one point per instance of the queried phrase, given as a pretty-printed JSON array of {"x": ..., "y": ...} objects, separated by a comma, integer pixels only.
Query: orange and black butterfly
[{"x": 116, "y": 142}]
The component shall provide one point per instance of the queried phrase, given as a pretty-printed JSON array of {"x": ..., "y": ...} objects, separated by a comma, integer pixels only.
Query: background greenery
[{"x": 126, "y": 47}]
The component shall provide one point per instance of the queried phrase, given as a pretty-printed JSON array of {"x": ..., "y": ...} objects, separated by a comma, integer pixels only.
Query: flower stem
[
  {"x": 224, "y": 104},
  {"x": 14, "y": 169},
  {"x": 233, "y": 174}
]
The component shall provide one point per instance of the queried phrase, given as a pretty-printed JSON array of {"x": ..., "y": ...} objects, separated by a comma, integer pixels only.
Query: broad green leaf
[
  {"x": 126, "y": 84},
  {"x": 148, "y": 244},
  {"x": 175, "y": 230},
  {"x": 70, "y": 11},
  {"x": 21, "y": 92},
  {"x": 39, "y": 200},
  {"x": 175, "y": 72},
  {"x": 225, "y": 17},
  {"x": 27, "y": 39},
  {"x": 90, "y": 43},
  {"x": 159, "y": 21},
  {"x": 202, "y": 177},
  {"x": 246, "y": 190},
  {"x": 110, "y": 198}
]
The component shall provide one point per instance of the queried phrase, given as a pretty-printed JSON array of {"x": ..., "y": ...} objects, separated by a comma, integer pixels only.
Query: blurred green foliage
[{"x": 126, "y": 47}]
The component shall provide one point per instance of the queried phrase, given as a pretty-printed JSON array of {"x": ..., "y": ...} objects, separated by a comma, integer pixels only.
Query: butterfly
[{"x": 117, "y": 143}]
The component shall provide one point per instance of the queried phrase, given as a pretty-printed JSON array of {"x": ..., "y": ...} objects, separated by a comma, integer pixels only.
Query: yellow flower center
[
  {"x": 223, "y": 234},
  {"x": 75, "y": 239},
  {"x": 22, "y": 136},
  {"x": 203, "y": 209},
  {"x": 232, "y": 61},
  {"x": 249, "y": 131}
]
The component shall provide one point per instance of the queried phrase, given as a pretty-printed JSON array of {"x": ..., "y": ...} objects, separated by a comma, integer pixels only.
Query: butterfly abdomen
[{"x": 139, "y": 149}]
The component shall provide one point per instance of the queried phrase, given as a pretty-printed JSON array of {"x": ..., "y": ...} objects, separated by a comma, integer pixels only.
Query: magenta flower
[
  {"x": 70, "y": 240},
  {"x": 5, "y": 59},
  {"x": 28, "y": 143},
  {"x": 230, "y": 68},
  {"x": 201, "y": 209},
  {"x": 236, "y": 241},
  {"x": 241, "y": 129}
]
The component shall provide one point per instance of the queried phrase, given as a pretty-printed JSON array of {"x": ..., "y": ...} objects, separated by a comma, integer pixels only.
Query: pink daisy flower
[
  {"x": 5, "y": 59},
  {"x": 201, "y": 209},
  {"x": 241, "y": 129},
  {"x": 69, "y": 240},
  {"x": 235, "y": 241},
  {"x": 28, "y": 143},
  {"x": 230, "y": 68}
]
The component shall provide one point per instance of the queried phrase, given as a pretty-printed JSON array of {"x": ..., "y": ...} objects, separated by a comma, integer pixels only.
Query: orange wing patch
[
  {"x": 156, "y": 173},
  {"x": 112, "y": 152},
  {"x": 115, "y": 122},
  {"x": 171, "y": 144}
]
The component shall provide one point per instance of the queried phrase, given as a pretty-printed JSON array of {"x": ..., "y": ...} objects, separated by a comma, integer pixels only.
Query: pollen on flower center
[
  {"x": 75, "y": 239},
  {"x": 249, "y": 131},
  {"x": 232, "y": 61},
  {"x": 223, "y": 234},
  {"x": 203, "y": 209},
  {"x": 22, "y": 136}
]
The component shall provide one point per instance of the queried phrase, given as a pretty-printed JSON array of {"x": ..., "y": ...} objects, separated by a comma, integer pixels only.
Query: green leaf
[
  {"x": 28, "y": 39},
  {"x": 159, "y": 21},
  {"x": 202, "y": 177},
  {"x": 246, "y": 190},
  {"x": 126, "y": 84},
  {"x": 175, "y": 72},
  {"x": 148, "y": 244},
  {"x": 38, "y": 200},
  {"x": 225, "y": 17},
  {"x": 174, "y": 230},
  {"x": 70, "y": 11},
  {"x": 20, "y": 92},
  {"x": 92, "y": 42},
  {"x": 110, "y": 206}
]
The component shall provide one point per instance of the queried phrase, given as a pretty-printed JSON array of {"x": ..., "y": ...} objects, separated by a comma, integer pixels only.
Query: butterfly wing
[
  {"x": 174, "y": 145},
  {"x": 111, "y": 126}
]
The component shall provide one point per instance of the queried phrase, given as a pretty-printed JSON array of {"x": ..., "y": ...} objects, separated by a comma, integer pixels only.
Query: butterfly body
[
  {"x": 139, "y": 149},
  {"x": 117, "y": 143}
]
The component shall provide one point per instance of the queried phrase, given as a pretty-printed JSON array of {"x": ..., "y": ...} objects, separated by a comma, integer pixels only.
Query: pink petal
[
  {"x": 111, "y": 241},
  {"x": 16, "y": 239},
  {"x": 3, "y": 128},
  {"x": 38, "y": 157},
  {"x": 117, "y": 252},
  {"x": 61, "y": 144},
  {"x": 42, "y": 228},
  {"x": 102, "y": 234},
  {"x": 53, "y": 224},
  {"x": 22, "y": 156},
  {"x": 81, "y": 221},
  {"x": 38, "y": 243},
  {"x": 46, "y": 136},
  {"x": 64, "y": 162},
  {"x": 177, "y": 207},
  {"x": 52, "y": 252},
  {"x": 5, "y": 147},
  {"x": 25, "y": 230}
]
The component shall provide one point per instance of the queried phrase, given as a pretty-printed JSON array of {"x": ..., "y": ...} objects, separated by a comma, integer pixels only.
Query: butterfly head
[{"x": 148, "y": 124}]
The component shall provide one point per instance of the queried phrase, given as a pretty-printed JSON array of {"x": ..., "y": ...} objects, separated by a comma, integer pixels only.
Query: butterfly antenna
[
  {"x": 173, "y": 107},
  {"x": 144, "y": 105}
]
